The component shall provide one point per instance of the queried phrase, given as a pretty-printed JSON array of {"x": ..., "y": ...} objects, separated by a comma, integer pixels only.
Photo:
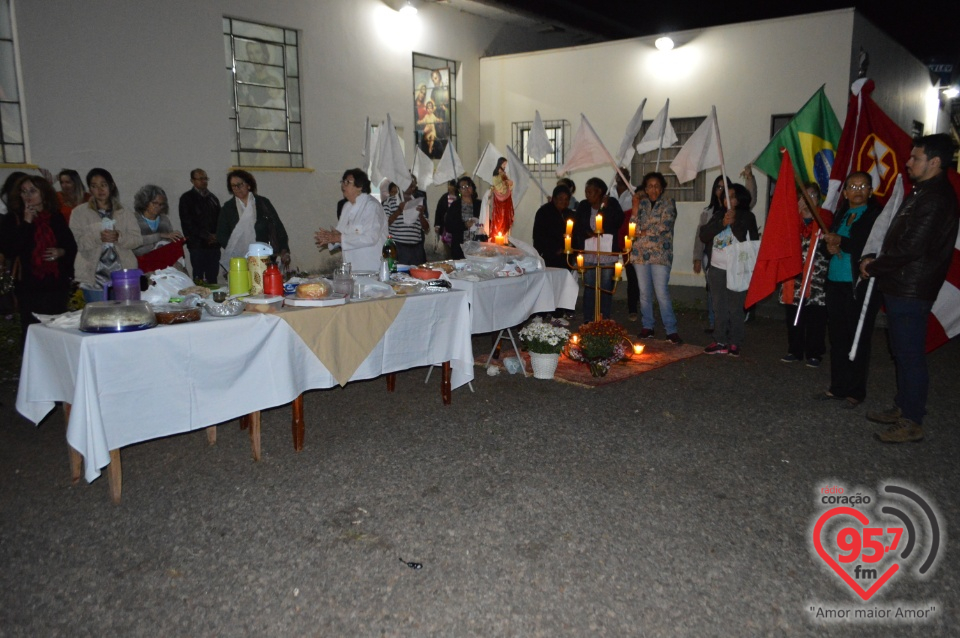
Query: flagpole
[
  {"x": 863, "y": 316},
  {"x": 812, "y": 250},
  {"x": 723, "y": 169}
]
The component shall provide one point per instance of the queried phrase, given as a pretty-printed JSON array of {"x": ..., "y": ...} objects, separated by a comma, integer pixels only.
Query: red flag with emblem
[{"x": 870, "y": 142}]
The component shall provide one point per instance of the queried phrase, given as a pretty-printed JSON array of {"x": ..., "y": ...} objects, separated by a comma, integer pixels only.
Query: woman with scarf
[
  {"x": 806, "y": 341},
  {"x": 106, "y": 235},
  {"x": 40, "y": 247},
  {"x": 249, "y": 217}
]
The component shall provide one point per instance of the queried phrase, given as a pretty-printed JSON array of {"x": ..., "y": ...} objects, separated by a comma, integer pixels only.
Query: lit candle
[
  {"x": 569, "y": 226},
  {"x": 599, "y": 224},
  {"x": 638, "y": 348},
  {"x": 627, "y": 244},
  {"x": 574, "y": 338},
  {"x": 617, "y": 270},
  {"x": 580, "y": 262},
  {"x": 567, "y": 248},
  {"x": 498, "y": 239},
  {"x": 632, "y": 228}
]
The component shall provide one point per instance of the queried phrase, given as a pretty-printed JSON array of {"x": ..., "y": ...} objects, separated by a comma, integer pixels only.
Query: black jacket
[
  {"x": 612, "y": 221},
  {"x": 198, "y": 219},
  {"x": 549, "y": 227},
  {"x": 859, "y": 233},
  {"x": 919, "y": 244},
  {"x": 744, "y": 225}
]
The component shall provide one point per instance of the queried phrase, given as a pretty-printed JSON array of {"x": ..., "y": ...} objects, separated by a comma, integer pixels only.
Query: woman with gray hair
[{"x": 150, "y": 204}]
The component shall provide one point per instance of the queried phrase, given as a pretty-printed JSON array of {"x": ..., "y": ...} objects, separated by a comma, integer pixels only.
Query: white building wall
[
  {"x": 141, "y": 89},
  {"x": 750, "y": 71}
]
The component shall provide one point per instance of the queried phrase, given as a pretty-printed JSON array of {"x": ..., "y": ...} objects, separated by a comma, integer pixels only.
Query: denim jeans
[
  {"x": 727, "y": 308},
  {"x": 606, "y": 299},
  {"x": 907, "y": 327},
  {"x": 653, "y": 279}
]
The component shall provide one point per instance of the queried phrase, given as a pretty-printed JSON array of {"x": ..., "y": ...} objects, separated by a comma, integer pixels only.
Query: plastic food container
[
  {"x": 117, "y": 316},
  {"x": 170, "y": 313},
  {"x": 261, "y": 303},
  {"x": 425, "y": 273}
]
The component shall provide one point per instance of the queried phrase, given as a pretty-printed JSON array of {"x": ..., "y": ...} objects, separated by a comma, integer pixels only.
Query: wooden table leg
[
  {"x": 212, "y": 435},
  {"x": 115, "y": 476},
  {"x": 76, "y": 459},
  {"x": 253, "y": 420},
  {"x": 391, "y": 382},
  {"x": 297, "y": 425},
  {"x": 244, "y": 421},
  {"x": 445, "y": 390}
]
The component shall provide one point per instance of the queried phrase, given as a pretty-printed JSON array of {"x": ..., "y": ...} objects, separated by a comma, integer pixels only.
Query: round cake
[{"x": 313, "y": 290}]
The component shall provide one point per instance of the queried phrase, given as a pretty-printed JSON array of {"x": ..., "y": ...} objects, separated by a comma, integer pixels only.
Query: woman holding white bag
[{"x": 737, "y": 223}]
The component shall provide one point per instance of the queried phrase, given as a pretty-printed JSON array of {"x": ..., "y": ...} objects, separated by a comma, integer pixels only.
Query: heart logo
[{"x": 865, "y": 594}]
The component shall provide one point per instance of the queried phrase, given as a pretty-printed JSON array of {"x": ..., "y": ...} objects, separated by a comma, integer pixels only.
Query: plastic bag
[{"x": 164, "y": 284}]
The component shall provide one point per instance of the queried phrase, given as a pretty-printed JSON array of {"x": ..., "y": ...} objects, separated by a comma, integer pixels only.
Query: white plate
[{"x": 334, "y": 299}]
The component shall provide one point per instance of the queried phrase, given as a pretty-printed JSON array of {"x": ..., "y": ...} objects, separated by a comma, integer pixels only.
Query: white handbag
[{"x": 743, "y": 259}]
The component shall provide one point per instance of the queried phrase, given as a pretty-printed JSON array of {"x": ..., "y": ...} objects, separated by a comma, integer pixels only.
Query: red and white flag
[{"x": 944, "y": 321}]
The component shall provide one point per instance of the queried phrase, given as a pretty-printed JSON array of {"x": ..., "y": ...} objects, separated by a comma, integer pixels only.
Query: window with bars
[
  {"x": 264, "y": 77},
  {"x": 12, "y": 150},
  {"x": 692, "y": 191},
  {"x": 558, "y": 132}
]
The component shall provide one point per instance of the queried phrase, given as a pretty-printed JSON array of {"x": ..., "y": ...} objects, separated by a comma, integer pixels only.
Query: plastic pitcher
[{"x": 126, "y": 284}]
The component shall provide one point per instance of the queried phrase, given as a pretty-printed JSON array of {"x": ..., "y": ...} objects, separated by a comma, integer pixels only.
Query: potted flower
[
  {"x": 602, "y": 343},
  {"x": 544, "y": 342}
]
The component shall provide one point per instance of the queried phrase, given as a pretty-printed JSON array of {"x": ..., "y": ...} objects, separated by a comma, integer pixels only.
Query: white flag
[
  {"x": 701, "y": 151},
  {"x": 586, "y": 151},
  {"x": 390, "y": 161},
  {"x": 373, "y": 145},
  {"x": 449, "y": 166},
  {"x": 660, "y": 134},
  {"x": 882, "y": 224},
  {"x": 487, "y": 163},
  {"x": 514, "y": 165},
  {"x": 538, "y": 144},
  {"x": 422, "y": 169},
  {"x": 633, "y": 128}
]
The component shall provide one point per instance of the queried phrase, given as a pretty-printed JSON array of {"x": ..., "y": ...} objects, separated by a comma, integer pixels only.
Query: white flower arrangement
[{"x": 544, "y": 338}]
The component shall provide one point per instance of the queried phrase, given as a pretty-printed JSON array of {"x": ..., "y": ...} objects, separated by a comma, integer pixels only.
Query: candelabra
[{"x": 598, "y": 265}]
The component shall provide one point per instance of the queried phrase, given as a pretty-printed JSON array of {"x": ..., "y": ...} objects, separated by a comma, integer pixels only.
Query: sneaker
[
  {"x": 734, "y": 351},
  {"x": 674, "y": 338},
  {"x": 716, "y": 348},
  {"x": 813, "y": 362},
  {"x": 632, "y": 316},
  {"x": 890, "y": 416},
  {"x": 789, "y": 358},
  {"x": 646, "y": 333},
  {"x": 904, "y": 431}
]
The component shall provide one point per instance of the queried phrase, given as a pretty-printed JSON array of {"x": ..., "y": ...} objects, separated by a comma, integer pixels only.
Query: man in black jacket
[
  {"x": 199, "y": 212},
  {"x": 910, "y": 269}
]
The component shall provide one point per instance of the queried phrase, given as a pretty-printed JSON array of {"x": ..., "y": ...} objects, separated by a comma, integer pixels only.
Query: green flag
[{"x": 811, "y": 137}]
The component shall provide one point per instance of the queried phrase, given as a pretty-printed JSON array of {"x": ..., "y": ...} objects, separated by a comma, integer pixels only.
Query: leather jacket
[{"x": 919, "y": 244}]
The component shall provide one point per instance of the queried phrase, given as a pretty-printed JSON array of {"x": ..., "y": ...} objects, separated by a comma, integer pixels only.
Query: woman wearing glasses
[
  {"x": 247, "y": 218},
  {"x": 462, "y": 216},
  {"x": 362, "y": 229},
  {"x": 845, "y": 291}
]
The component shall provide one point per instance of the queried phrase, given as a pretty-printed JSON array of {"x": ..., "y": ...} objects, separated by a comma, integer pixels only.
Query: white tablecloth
[
  {"x": 132, "y": 387},
  {"x": 508, "y": 301}
]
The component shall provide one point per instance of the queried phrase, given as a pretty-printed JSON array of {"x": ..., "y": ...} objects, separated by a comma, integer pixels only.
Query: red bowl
[{"x": 425, "y": 273}]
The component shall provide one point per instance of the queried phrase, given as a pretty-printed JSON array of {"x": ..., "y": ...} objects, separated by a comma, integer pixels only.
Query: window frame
[
  {"x": 15, "y": 103},
  {"x": 640, "y": 165},
  {"x": 520, "y": 134},
  {"x": 261, "y": 155}
]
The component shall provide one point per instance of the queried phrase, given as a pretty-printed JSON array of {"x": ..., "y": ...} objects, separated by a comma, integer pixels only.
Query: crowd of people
[{"x": 52, "y": 241}]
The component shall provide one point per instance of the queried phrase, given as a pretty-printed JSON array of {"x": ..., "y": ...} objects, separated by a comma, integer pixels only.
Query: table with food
[{"x": 221, "y": 358}]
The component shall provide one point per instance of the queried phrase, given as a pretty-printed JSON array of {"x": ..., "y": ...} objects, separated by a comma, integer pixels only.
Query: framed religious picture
[{"x": 434, "y": 103}]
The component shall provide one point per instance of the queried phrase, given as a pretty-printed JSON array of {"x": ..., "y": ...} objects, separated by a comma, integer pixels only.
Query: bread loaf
[{"x": 313, "y": 290}]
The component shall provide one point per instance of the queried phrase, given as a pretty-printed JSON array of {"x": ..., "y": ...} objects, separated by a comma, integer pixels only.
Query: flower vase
[
  {"x": 598, "y": 368},
  {"x": 544, "y": 365}
]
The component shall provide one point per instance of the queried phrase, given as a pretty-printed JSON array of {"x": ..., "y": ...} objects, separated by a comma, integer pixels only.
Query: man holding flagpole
[{"x": 910, "y": 268}]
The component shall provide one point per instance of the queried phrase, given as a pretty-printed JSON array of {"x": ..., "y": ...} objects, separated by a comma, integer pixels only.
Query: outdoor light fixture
[
  {"x": 951, "y": 92},
  {"x": 408, "y": 10},
  {"x": 663, "y": 43}
]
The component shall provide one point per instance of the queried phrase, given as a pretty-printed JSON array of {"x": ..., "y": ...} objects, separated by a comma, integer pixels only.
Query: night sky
[{"x": 930, "y": 30}]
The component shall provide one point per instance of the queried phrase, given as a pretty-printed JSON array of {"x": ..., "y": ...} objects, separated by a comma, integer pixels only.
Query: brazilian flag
[{"x": 811, "y": 137}]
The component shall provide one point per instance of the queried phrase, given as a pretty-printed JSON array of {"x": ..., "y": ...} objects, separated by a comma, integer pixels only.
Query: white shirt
[{"x": 363, "y": 231}]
